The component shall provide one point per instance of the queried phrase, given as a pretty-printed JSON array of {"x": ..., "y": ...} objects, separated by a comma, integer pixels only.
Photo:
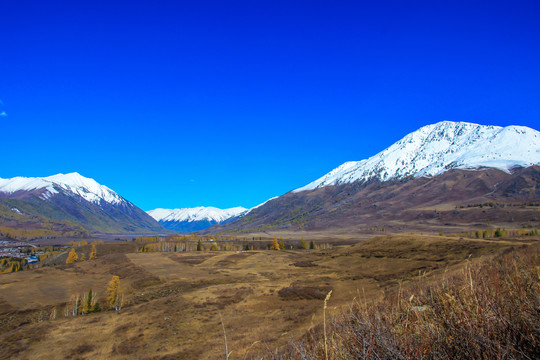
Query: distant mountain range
[
  {"x": 448, "y": 163},
  {"x": 77, "y": 200},
  {"x": 194, "y": 219},
  {"x": 421, "y": 180}
]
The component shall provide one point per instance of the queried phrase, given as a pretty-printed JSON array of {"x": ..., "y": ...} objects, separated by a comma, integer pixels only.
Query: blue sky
[{"x": 181, "y": 104}]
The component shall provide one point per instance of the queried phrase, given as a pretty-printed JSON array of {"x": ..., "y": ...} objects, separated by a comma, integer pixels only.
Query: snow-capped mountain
[
  {"x": 447, "y": 165},
  {"x": 198, "y": 218},
  {"x": 77, "y": 199},
  {"x": 74, "y": 183},
  {"x": 434, "y": 149}
]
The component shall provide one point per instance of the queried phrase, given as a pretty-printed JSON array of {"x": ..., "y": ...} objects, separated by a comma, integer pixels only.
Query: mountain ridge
[
  {"x": 445, "y": 164},
  {"x": 436, "y": 148},
  {"x": 197, "y": 218},
  {"x": 77, "y": 199}
]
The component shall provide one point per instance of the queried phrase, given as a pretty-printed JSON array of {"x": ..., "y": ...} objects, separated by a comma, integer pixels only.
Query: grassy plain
[{"x": 175, "y": 302}]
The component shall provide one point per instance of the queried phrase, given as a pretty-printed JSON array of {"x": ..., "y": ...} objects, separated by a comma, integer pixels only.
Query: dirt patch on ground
[
  {"x": 303, "y": 293},
  {"x": 305, "y": 263},
  {"x": 192, "y": 259}
]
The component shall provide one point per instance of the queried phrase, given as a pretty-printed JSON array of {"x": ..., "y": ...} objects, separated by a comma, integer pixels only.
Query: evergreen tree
[
  {"x": 199, "y": 245},
  {"x": 72, "y": 256},
  {"x": 90, "y": 304},
  {"x": 311, "y": 245}
]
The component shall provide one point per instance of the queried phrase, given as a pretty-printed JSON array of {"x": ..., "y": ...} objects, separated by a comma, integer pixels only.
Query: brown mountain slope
[{"x": 455, "y": 199}]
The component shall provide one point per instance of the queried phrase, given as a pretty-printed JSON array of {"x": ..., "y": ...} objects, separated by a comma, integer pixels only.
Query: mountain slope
[
  {"x": 434, "y": 170},
  {"x": 194, "y": 219},
  {"x": 77, "y": 199},
  {"x": 434, "y": 149}
]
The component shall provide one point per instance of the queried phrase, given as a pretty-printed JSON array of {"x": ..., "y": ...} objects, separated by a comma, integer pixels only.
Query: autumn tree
[
  {"x": 90, "y": 304},
  {"x": 93, "y": 252},
  {"x": 72, "y": 256},
  {"x": 275, "y": 244},
  {"x": 114, "y": 294},
  {"x": 303, "y": 243}
]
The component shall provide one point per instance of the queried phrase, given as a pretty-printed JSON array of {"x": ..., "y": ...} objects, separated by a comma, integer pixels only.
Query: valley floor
[{"x": 176, "y": 303}]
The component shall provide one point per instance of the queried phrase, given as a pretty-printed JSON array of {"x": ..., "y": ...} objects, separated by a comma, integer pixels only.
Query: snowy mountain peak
[
  {"x": 199, "y": 213},
  {"x": 436, "y": 148},
  {"x": 73, "y": 183}
]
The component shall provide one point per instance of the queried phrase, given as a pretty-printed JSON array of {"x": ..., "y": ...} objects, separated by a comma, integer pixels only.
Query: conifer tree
[
  {"x": 311, "y": 245},
  {"x": 72, "y": 256},
  {"x": 275, "y": 244},
  {"x": 93, "y": 252},
  {"x": 114, "y": 295},
  {"x": 90, "y": 304},
  {"x": 199, "y": 245}
]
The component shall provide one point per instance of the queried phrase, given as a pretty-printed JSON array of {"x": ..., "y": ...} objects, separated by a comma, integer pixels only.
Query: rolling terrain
[{"x": 175, "y": 302}]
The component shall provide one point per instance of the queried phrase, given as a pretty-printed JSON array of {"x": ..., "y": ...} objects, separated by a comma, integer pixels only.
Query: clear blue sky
[{"x": 228, "y": 103}]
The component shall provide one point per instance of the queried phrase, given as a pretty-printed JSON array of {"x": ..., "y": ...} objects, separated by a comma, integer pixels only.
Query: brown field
[{"x": 174, "y": 302}]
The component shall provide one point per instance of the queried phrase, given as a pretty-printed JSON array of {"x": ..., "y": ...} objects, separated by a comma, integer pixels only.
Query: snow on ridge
[
  {"x": 261, "y": 204},
  {"x": 75, "y": 183},
  {"x": 433, "y": 149},
  {"x": 200, "y": 213}
]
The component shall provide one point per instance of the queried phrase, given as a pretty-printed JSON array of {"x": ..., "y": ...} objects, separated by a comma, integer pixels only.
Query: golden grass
[
  {"x": 174, "y": 300},
  {"x": 488, "y": 310}
]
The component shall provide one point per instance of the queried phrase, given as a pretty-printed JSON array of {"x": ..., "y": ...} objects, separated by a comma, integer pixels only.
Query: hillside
[
  {"x": 452, "y": 201},
  {"x": 78, "y": 200},
  {"x": 433, "y": 179}
]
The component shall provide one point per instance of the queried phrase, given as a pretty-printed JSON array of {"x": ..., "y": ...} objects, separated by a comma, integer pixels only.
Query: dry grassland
[{"x": 174, "y": 301}]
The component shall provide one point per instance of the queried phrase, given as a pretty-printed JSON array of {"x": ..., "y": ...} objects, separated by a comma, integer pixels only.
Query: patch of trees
[{"x": 88, "y": 303}]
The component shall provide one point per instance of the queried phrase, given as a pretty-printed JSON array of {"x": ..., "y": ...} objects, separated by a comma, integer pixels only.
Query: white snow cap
[
  {"x": 434, "y": 149},
  {"x": 75, "y": 183},
  {"x": 199, "y": 213}
]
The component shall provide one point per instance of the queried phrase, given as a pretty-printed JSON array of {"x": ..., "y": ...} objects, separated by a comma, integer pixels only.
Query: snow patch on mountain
[
  {"x": 261, "y": 204},
  {"x": 434, "y": 149},
  {"x": 200, "y": 213},
  {"x": 73, "y": 183}
]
